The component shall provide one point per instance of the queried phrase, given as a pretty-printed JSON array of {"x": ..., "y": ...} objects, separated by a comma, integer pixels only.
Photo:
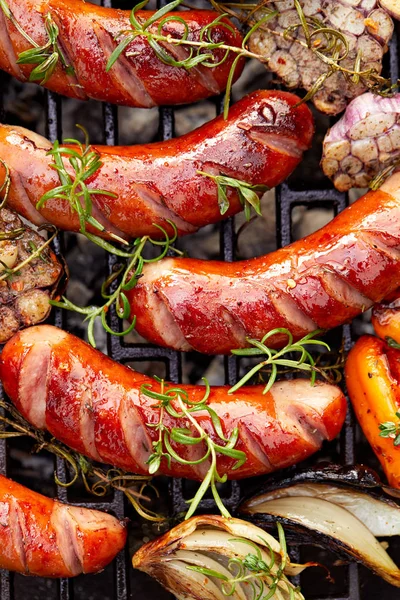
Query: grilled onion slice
[
  {"x": 211, "y": 557},
  {"x": 346, "y": 518}
]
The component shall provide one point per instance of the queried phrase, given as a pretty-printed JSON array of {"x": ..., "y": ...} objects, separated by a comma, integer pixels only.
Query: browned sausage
[
  {"x": 323, "y": 280},
  {"x": 262, "y": 141},
  {"x": 97, "y": 407},
  {"x": 41, "y": 536},
  {"x": 87, "y": 36}
]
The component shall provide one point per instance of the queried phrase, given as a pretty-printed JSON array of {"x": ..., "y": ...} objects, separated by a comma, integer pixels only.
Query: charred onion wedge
[
  {"x": 337, "y": 514},
  {"x": 210, "y": 558},
  {"x": 30, "y": 275}
]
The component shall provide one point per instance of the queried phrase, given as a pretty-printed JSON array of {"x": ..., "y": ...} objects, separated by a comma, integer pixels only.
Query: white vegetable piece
[{"x": 364, "y": 142}]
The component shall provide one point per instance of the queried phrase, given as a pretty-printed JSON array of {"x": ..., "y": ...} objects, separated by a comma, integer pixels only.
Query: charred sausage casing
[
  {"x": 96, "y": 407},
  {"x": 261, "y": 142},
  {"x": 88, "y": 34},
  {"x": 44, "y": 537},
  {"x": 321, "y": 281}
]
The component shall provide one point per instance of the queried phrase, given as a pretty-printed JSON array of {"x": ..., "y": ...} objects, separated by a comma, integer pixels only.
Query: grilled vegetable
[
  {"x": 373, "y": 382},
  {"x": 30, "y": 275},
  {"x": 210, "y": 558},
  {"x": 342, "y": 517},
  {"x": 312, "y": 39},
  {"x": 386, "y": 319},
  {"x": 43, "y": 537},
  {"x": 364, "y": 143}
]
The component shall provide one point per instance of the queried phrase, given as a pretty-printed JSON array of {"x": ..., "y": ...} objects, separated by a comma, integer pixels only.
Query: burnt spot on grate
[{"x": 291, "y": 210}]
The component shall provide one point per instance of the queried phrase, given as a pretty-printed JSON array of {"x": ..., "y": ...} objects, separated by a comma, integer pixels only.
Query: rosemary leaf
[
  {"x": 247, "y": 193},
  {"x": 278, "y": 358},
  {"x": 174, "y": 402}
]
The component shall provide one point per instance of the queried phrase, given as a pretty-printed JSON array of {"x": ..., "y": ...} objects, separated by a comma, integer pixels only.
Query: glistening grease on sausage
[
  {"x": 262, "y": 141},
  {"x": 321, "y": 281},
  {"x": 44, "y": 537},
  {"x": 88, "y": 35},
  {"x": 96, "y": 406}
]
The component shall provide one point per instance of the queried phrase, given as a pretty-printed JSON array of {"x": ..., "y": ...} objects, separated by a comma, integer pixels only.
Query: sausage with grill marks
[
  {"x": 88, "y": 34},
  {"x": 96, "y": 407},
  {"x": 261, "y": 142},
  {"x": 321, "y": 281},
  {"x": 44, "y": 537}
]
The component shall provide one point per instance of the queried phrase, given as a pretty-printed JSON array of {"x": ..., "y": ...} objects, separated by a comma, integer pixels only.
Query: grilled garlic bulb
[
  {"x": 24, "y": 292},
  {"x": 211, "y": 558},
  {"x": 364, "y": 142},
  {"x": 367, "y": 28}
]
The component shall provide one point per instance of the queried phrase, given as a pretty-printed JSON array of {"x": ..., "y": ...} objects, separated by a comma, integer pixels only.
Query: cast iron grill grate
[{"x": 120, "y": 582}]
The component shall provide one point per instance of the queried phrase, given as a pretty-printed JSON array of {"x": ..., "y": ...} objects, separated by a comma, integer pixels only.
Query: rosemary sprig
[
  {"x": 380, "y": 179},
  {"x": 97, "y": 481},
  {"x": 46, "y": 57},
  {"x": 175, "y": 402},
  {"x": 262, "y": 578},
  {"x": 84, "y": 163},
  {"x": 200, "y": 52},
  {"x": 392, "y": 343},
  {"x": 277, "y": 358},
  {"x": 125, "y": 277},
  {"x": 389, "y": 429},
  {"x": 329, "y": 45},
  {"x": 247, "y": 193}
]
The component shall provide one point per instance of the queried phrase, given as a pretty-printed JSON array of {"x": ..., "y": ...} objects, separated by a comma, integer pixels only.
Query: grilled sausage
[
  {"x": 323, "y": 281},
  {"x": 97, "y": 407},
  {"x": 44, "y": 537},
  {"x": 87, "y": 36},
  {"x": 261, "y": 143}
]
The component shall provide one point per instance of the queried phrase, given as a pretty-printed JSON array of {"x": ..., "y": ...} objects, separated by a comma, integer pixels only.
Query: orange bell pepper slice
[{"x": 373, "y": 381}]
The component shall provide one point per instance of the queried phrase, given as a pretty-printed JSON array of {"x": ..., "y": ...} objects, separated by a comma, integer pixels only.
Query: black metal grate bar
[{"x": 286, "y": 200}]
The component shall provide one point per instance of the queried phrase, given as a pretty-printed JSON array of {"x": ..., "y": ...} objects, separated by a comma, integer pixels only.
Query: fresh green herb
[
  {"x": 377, "y": 181},
  {"x": 7, "y": 272},
  {"x": 265, "y": 579},
  {"x": 33, "y": 247},
  {"x": 329, "y": 45},
  {"x": 124, "y": 278},
  {"x": 392, "y": 343},
  {"x": 46, "y": 57},
  {"x": 175, "y": 402},
  {"x": 277, "y": 358},
  {"x": 200, "y": 52},
  {"x": 12, "y": 234},
  {"x": 84, "y": 163},
  {"x": 96, "y": 480},
  {"x": 389, "y": 429},
  {"x": 248, "y": 194}
]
